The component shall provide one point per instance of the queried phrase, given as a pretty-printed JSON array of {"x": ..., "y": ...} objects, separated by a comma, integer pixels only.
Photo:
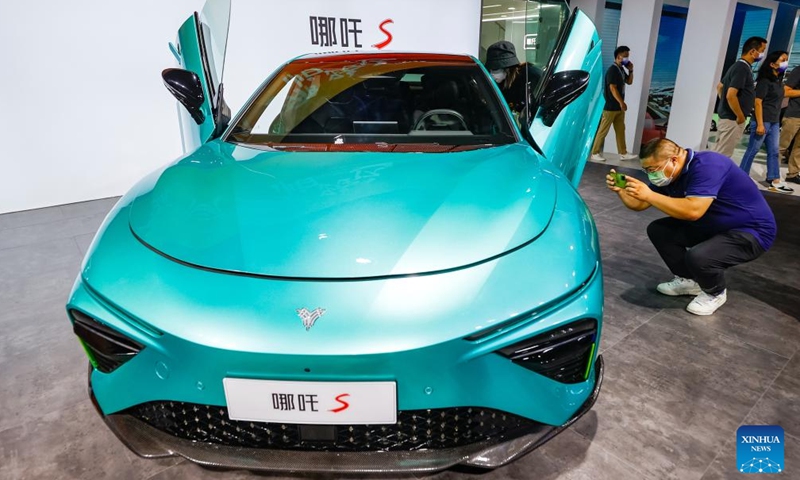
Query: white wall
[{"x": 83, "y": 112}]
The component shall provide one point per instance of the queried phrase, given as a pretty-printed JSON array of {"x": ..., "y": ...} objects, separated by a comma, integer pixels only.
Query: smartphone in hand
[{"x": 619, "y": 180}]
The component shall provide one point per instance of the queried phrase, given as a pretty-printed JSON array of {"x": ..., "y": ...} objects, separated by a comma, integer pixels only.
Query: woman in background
[
  {"x": 765, "y": 125},
  {"x": 511, "y": 75}
]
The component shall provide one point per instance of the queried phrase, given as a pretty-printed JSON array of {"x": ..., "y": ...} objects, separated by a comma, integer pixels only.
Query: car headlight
[
  {"x": 564, "y": 354},
  {"x": 106, "y": 348}
]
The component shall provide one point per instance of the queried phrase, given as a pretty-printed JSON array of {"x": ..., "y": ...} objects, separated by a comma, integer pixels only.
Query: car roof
[{"x": 408, "y": 56}]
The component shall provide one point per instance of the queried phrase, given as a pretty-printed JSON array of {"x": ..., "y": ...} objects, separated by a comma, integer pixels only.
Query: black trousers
[{"x": 704, "y": 258}]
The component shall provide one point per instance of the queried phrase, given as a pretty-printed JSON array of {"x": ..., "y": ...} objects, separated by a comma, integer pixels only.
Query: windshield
[{"x": 376, "y": 103}]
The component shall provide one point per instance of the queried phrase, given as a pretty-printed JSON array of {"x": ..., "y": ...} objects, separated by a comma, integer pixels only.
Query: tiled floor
[{"x": 677, "y": 386}]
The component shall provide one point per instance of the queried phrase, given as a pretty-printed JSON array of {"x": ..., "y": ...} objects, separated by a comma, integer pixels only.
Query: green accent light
[
  {"x": 88, "y": 353},
  {"x": 589, "y": 365}
]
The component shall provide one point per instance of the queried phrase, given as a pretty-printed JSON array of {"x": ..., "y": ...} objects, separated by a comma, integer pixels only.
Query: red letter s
[
  {"x": 386, "y": 32},
  {"x": 344, "y": 406}
]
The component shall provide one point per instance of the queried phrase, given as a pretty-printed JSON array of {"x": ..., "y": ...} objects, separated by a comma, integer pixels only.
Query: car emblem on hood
[{"x": 309, "y": 317}]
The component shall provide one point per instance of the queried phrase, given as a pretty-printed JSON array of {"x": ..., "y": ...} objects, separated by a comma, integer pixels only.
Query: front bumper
[{"x": 150, "y": 442}]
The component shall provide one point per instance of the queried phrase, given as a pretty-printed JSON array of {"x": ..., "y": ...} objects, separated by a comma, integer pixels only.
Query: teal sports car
[{"x": 374, "y": 266}]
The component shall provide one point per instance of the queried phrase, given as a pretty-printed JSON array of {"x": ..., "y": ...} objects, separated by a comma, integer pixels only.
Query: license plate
[{"x": 325, "y": 403}]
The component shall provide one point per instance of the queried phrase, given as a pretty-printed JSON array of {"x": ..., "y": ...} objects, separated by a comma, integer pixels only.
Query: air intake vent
[
  {"x": 563, "y": 354},
  {"x": 107, "y": 349}
]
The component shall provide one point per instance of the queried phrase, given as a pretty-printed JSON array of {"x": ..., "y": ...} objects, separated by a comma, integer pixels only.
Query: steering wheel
[{"x": 435, "y": 115}]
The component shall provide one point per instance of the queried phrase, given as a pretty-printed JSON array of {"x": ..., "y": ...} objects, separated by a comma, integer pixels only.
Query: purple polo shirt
[{"x": 738, "y": 204}]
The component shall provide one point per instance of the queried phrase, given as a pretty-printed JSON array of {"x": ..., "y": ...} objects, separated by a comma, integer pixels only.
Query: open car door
[
  {"x": 568, "y": 99},
  {"x": 200, "y": 49}
]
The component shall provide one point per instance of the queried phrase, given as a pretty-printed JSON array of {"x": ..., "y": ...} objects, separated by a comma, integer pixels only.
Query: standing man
[
  {"x": 618, "y": 75},
  {"x": 717, "y": 218},
  {"x": 790, "y": 128},
  {"x": 737, "y": 94}
]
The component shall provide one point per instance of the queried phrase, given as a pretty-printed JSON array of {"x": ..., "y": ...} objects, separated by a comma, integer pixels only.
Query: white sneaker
[
  {"x": 780, "y": 187},
  {"x": 597, "y": 157},
  {"x": 628, "y": 156},
  {"x": 679, "y": 286},
  {"x": 705, "y": 304}
]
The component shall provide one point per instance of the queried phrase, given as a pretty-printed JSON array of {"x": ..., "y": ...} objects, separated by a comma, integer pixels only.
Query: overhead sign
[{"x": 265, "y": 34}]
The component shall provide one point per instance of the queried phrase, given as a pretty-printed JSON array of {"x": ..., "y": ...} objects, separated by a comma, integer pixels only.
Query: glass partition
[{"x": 532, "y": 26}]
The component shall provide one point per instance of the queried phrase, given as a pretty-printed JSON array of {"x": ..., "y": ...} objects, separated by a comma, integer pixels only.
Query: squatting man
[{"x": 717, "y": 218}]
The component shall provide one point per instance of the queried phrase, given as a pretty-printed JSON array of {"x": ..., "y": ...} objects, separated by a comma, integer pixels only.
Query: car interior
[{"x": 417, "y": 102}]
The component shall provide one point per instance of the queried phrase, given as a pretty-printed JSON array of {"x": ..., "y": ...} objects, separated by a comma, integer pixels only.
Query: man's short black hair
[
  {"x": 621, "y": 49},
  {"x": 656, "y": 146},
  {"x": 753, "y": 43}
]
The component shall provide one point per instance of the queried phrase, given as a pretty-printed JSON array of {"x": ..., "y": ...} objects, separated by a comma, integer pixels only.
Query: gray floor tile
[
  {"x": 780, "y": 282},
  {"x": 34, "y": 275},
  {"x": 626, "y": 308},
  {"x": 45, "y": 232},
  {"x": 190, "y": 471},
  {"x": 629, "y": 221},
  {"x": 44, "y": 367},
  {"x": 781, "y": 404},
  {"x": 660, "y": 448},
  {"x": 725, "y": 465},
  {"x": 29, "y": 333},
  {"x": 673, "y": 341},
  {"x": 593, "y": 188},
  {"x": 84, "y": 209},
  {"x": 32, "y": 292},
  {"x": 614, "y": 240},
  {"x": 28, "y": 260},
  {"x": 570, "y": 456},
  {"x": 638, "y": 271},
  {"x": 30, "y": 217},
  {"x": 749, "y": 320},
  {"x": 668, "y": 399},
  {"x": 71, "y": 443},
  {"x": 600, "y": 201},
  {"x": 84, "y": 241}
]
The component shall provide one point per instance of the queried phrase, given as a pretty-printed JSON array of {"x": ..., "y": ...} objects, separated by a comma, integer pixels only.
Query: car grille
[{"x": 415, "y": 429}]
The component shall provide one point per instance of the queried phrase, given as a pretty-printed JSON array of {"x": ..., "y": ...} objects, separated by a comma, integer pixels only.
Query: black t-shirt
[
  {"x": 770, "y": 91},
  {"x": 614, "y": 76},
  {"x": 515, "y": 94},
  {"x": 793, "y": 82},
  {"x": 740, "y": 77}
]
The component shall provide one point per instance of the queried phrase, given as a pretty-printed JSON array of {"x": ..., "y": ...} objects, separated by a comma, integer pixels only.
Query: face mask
[
  {"x": 626, "y": 61},
  {"x": 783, "y": 66},
  {"x": 498, "y": 75},
  {"x": 759, "y": 57},
  {"x": 658, "y": 178}
]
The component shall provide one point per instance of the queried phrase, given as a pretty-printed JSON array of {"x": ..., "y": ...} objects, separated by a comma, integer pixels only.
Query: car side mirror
[
  {"x": 562, "y": 89},
  {"x": 186, "y": 87}
]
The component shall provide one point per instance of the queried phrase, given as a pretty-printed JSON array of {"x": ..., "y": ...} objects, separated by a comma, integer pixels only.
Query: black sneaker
[{"x": 795, "y": 179}]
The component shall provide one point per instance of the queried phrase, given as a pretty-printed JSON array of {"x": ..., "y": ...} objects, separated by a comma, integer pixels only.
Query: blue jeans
[{"x": 773, "y": 133}]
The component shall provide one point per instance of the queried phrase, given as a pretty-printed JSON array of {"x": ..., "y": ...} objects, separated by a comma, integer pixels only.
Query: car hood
[{"x": 341, "y": 215}]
